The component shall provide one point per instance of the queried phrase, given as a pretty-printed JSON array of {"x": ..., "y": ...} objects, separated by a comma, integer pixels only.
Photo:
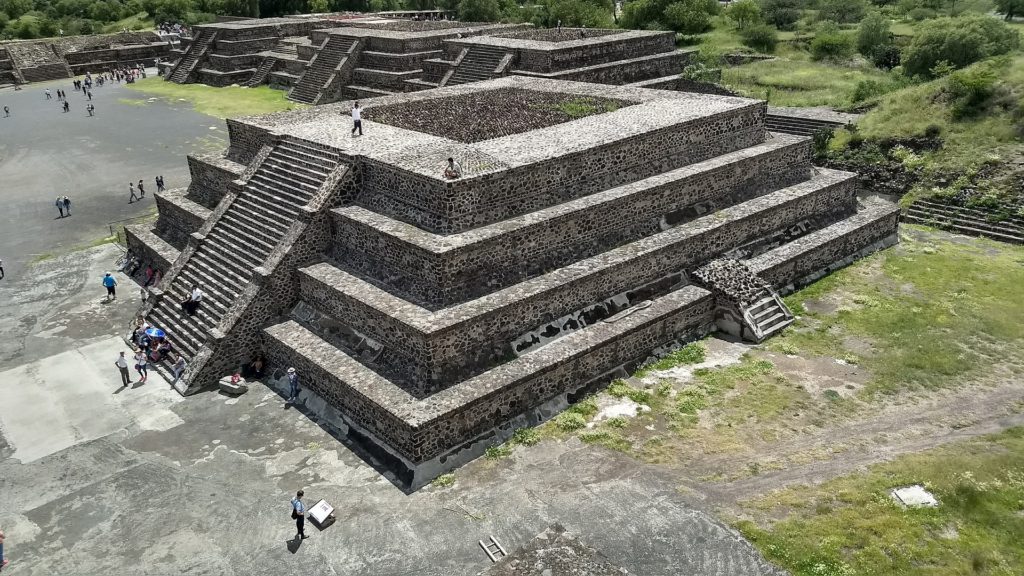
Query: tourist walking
[
  {"x": 299, "y": 514},
  {"x": 160, "y": 184},
  {"x": 141, "y": 364},
  {"x": 122, "y": 367},
  {"x": 111, "y": 285},
  {"x": 178, "y": 368},
  {"x": 67, "y": 205},
  {"x": 60, "y": 206},
  {"x": 293, "y": 386},
  {"x": 48, "y": 96},
  {"x": 131, "y": 189},
  {"x": 90, "y": 109},
  {"x": 142, "y": 192},
  {"x": 1, "y": 269},
  {"x": 357, "y": 122},
  {"x": 7, "y": 112},
  {"x": 67, "y": 107}
]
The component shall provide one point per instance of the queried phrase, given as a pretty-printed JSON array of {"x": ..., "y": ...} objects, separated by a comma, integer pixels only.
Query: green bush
[
  {"x": 831, "y": 43},
  {"x": 687, "y": 17},
  {"x": 744, "y": 12},
  {"x": 783, "y": 14},
  {"x": 760, "y": 37},
  {"x": 873, "y": 35},
  {"x": 958, "y": 41},
  {"x": 971, "y": 89},
  {"x": 921, "y": 14},
  {"x": 679, "y": 15}
]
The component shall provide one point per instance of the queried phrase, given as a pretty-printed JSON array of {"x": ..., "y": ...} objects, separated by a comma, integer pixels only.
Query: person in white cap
[{"x": 293, "y": 386}]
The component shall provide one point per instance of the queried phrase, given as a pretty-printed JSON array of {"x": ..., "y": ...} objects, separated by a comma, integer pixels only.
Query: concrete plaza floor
[
  {"x": 45, "y": 152},
  {"x": 96, "y": 479}
]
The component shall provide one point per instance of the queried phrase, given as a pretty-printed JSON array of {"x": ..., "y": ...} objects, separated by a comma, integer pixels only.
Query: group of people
[
  {"x": 63, "y": 204},
  {"x": 132, "y": 196},
  {"x": 150, "y": 348}
]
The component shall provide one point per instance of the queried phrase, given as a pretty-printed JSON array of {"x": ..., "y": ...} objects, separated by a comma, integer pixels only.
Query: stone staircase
[
  {"x": 321, "y": 68},
  {"x": 479, "y": 63},
  {"x": 767, "y": 316},
  {"x": 262, "y": 71},
  {"x": 968, "y": 221},
  {"x": 238, "y": 242},
  {"x": 196, "y": 50},
  {"x": 806, "y": 121}
]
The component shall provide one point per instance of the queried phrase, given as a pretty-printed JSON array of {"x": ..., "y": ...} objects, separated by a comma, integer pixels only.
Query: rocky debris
[
  {"x": 491, "y": 114},
  {"x": 559, "y": 34},
  {"x": 734, "y": 280},
  {"x": 555, "y": 552}
]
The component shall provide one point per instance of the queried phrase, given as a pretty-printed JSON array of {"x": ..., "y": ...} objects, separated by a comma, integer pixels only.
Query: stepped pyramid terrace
[{"x": 592, "y": 226}]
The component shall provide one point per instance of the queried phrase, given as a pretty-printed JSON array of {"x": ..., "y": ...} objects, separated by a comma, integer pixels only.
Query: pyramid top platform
[{"x": 639, "y": 111}]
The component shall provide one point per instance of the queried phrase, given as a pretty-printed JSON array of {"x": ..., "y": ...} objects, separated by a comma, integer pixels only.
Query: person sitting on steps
[{"x": 191, "y": 304}]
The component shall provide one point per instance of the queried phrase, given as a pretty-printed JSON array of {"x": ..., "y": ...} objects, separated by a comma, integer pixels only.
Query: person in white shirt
[
  {"x": 190, "y": 305},
  {"x": 122, "y": 365},
  {"x": 357, "y": 121}
]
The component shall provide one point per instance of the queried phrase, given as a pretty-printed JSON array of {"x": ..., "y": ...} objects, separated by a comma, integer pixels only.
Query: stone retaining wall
[
  {"x": 449, "y": 207},
  {"x": 179, "y": 217},
  {"x": 212, "y": 177},
  {"x": 443, "y": 270}
]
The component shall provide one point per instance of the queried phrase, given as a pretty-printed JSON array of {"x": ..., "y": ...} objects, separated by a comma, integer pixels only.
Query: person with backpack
[
  {"x": 299, "y": 514},
  {"x": 60, "y": 206}
]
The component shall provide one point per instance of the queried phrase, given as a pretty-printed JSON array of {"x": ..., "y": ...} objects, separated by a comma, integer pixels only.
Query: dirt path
[{"x": 893, "y": 430}]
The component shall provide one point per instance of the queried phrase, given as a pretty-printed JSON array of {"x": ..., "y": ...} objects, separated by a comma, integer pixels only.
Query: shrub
[
  {"x": 960, "y": 42},
  {"x": 760, "y": 37},
  {"x": 888, "y": 58},
  {"x": 783, "y": 14},
  {"x": 969, "y": 90},
  {"x": 868, "y": 89},
  {"x": 830, "y": 43}
]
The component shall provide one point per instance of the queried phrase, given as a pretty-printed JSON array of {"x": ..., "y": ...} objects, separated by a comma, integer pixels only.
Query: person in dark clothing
[
  {"x": 67, "y": 206},
  {"x": 142, "y": 192}
]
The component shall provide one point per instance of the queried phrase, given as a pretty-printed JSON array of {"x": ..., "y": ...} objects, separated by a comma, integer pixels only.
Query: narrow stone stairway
[
  {"x": 261, "y": 73},
  {"x": 478, "y": 64},
  {"x": 196, "y": 50},
  {"x": 320, "y": 69},
  {"x": 965, "y": 221},
  {"x": 241, "y": 240}
]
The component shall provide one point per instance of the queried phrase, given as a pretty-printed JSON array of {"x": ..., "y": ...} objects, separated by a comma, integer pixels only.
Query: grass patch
[
  {"x": 443, "y": 481},
  {"x": 132, "y": 101},
  {"x": 786, "y": 82},
  {"x": 967, "y": 142},
  {"x": 139, "y": 21},
  {"x": 583, "y": 107},
  {"x": 525, "y": 437},
  {"x": 935, "y": 311},
  {"x": 607, "y": 438},
  {"x": 850, "y": 526},
  {"x": 498, "y": 452},
  {"x": 226, "y": 102},
  {"x": 692, "y": 353}
]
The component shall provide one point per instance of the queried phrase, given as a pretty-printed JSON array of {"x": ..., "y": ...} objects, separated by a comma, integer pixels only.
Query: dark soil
[{"x": 491, "y": 114}]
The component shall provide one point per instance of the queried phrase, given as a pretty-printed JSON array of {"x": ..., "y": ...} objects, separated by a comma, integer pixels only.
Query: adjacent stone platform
[{"x": 432, "y": 316}]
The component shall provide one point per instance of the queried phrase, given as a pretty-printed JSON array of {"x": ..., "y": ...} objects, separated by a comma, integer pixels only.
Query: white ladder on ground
[{"x": 493, "y": 549}]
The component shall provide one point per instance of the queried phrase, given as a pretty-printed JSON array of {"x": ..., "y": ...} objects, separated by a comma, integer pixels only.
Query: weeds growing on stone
[
  {"x": 692, "y": 353},
  {"x": 498, "y": 452},
  {"x": 444, "y": 480}
]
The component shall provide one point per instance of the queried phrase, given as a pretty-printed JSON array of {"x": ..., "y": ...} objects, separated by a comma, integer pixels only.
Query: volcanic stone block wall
[
  {"x": 627, "y": 71},
  {"x": 441, "y": 270},
  {"x": 564, "y": 58},
  {"x": 448, "y": 207},
  {"x": 179, "y": 217},
  {"x": 212, "y": 177}
]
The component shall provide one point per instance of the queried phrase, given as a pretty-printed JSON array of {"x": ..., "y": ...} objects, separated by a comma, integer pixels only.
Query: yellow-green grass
[
  {"x": 226, "y": 102},
  {"x": 140, "y": 21},
  {"x": 929, "y": 313},
  {"x": 850, "y": 526},
  {"x": 799, "y": 83},
  {"x": 967, "y": 142}
]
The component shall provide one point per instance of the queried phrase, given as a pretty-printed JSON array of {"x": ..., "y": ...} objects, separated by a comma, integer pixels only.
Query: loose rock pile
[{"x": 734, "y": 280}]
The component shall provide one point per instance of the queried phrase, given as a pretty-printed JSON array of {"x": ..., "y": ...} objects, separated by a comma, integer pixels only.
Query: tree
[
  {"x": 744, "y": 12},
  {"x": 318, "y": 6},
  {"x": 577, "y": 13},
  {"x": 479, "y": 10},
  {"x": 782, "y": 14},
  {"x": 15, "y": 8},
  {"x": 1010, "y": 8},
  {"x": 959, "y": 42},
  {"x": 842, "y": 11},
  {"x": 873, "y": 35},
  {"x": 760, "y": 37}
]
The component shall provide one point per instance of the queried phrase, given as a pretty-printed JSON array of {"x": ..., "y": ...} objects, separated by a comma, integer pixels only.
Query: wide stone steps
[
  {"x": 798, "y": 126},
  {"x": 479, "y": 64},
  {"x": 964, "y": 220}
]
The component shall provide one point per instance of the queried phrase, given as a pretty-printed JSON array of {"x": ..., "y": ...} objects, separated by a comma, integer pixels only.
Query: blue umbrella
[{"x": 155, "y": 333}]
